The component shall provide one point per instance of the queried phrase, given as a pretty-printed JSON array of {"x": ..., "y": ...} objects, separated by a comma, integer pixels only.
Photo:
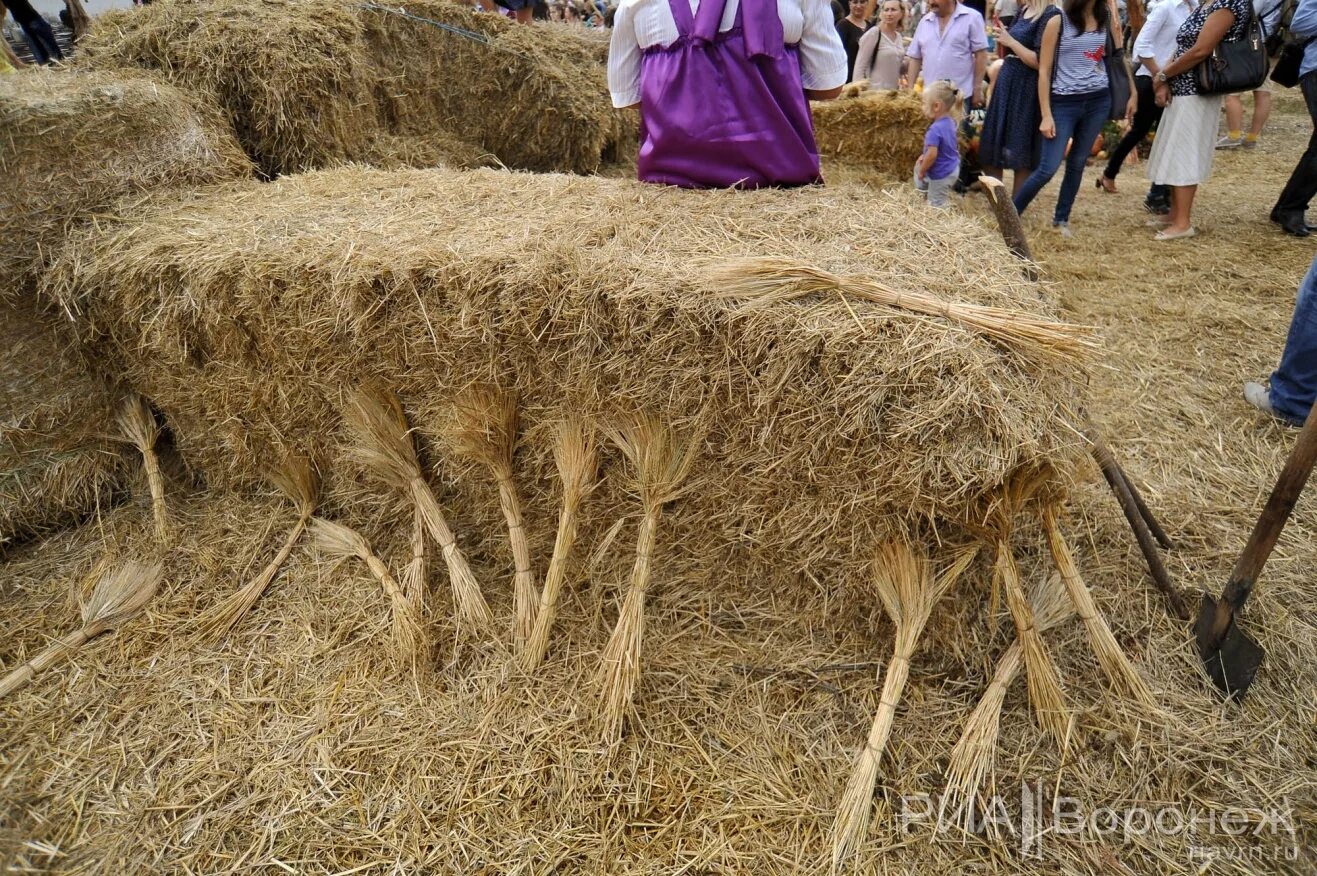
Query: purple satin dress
[{"x": 722, "y": 110}]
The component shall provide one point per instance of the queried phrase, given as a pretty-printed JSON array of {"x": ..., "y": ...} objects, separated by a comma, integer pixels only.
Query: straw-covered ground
[{"x": 298, "y": 745}]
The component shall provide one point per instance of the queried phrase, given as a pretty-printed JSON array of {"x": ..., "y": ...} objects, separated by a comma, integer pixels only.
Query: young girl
[{"x": 937, "y": 169}]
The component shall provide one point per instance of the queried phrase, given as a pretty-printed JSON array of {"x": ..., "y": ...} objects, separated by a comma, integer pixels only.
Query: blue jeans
[
  {"x": 1078, "y": 117},
  {"x": 1294, "y": 385},
  {"x": 41, "y": 40}
]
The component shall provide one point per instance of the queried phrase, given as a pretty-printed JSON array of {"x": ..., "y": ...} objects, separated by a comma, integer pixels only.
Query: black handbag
[
  {"x": 1118, "y": 78},
  {"x": 1285, "y": 72},
  {"x": 1235, "y": 65}
]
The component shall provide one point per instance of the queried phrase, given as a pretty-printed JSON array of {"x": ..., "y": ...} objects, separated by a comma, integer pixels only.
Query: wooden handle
[
  {"x": 1008, "y": 222},
  {"x": 1271, "y": 521}
]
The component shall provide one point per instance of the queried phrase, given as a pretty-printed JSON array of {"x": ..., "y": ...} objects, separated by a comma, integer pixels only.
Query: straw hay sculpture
[
  {"x": 577, "y": 462},
  {"x": 410, "y": 636},
  {"x": 118, "y": 597},
  {"x": 139, "y": 427},
  {"x": 383, "y": 445},
  {"x": 908, "y": 591},
  {"x": 659, "y": 463},
  {"x": 298, "y": 480},
  {"x": 483, "y": 428}
]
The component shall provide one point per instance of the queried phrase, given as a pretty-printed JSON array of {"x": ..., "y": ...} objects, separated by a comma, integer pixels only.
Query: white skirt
[{"x": 1186, "y": 141}]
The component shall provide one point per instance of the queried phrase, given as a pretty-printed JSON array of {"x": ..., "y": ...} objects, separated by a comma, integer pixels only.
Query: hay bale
[
  {"x": 881, "y": 129},
  {"x": 71, "y": 144},
  {"x": 315, "y": 84},
  {"x": 829, "y": 422},
  {"x": 57, "y": 460}
]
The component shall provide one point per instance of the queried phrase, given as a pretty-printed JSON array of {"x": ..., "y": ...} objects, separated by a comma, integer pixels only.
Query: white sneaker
[
  {"x": 1229, "y": 142},
  {"x": 1063, "y": 228},
  {"x": 1259, "y": 397}
]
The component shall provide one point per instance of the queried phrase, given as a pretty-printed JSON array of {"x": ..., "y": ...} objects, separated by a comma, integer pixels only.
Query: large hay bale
[
  {"x": 58, "y": 460},
  {"x": 880, "y": 129},
  {"x": 71, "y": 144},
  {"x": 829, "y": 423},
  {"x": 314, "y": 84}
]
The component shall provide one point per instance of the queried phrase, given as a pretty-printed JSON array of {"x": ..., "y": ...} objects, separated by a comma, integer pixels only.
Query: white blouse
[{"x": 639, "y": 24}]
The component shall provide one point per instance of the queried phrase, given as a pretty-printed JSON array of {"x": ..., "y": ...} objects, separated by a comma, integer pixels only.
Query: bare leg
[
  {"x": 1261, "y": 112},
  {"x": 1234, "y": 115},
  {"x": 1018, "y": 177},
  {"x": 1182, "y": 205}
]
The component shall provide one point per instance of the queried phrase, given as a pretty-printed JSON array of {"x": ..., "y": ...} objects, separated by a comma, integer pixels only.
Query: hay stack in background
[
  {"x": 323, "y": 82},
  {"x": 71, "y": 144},
  {"x": 832, "y": 421},
  {"x": 883, "y": 130},
  {"x": 58, "y": 459}
]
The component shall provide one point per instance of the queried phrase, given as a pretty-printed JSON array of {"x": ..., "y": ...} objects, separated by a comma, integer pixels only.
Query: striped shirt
[{"x": 1080, "y": 66}]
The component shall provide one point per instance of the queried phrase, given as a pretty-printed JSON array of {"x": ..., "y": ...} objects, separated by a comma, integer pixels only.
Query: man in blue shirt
[
  {"x": 1299, "y": 191},
  {"x": 1293, "y": 385}
]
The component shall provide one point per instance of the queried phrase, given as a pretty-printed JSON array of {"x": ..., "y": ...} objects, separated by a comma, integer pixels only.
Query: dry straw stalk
[
  {"x": 484, "y": 429},
  {"x": 138, "y": 426},
  {"x": 1044, "y": 681},
  {"x": 118, "y": 597},
  {"x": 577, "y": 461},
  {"x": 416, "y": 573},
  {"x": 384, "y": 446},
  {"x": 660, "y": 464},
  {"x": 767, "y": 280},
  {"x": 974, "y": 752},
  {"x": 1123, "y": 677},
  {"x": 908, "y": 591},
  {"x": 296, "y": 479},
  {"x": 409, "y": 634}
]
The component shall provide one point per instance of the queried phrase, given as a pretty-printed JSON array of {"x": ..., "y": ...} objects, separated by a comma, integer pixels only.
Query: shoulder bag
[{"x": 1235, "y": 65}]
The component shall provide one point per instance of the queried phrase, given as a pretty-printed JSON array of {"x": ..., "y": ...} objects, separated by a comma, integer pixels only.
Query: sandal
[
  {"x": 1174, "y": 235},
  {"x": 1106, "y": 184}
]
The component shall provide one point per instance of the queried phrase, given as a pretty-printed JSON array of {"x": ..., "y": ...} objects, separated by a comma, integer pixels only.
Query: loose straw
[
  {"x": 769, "y": 280},
  {"x": 118, "y": 597},
  {"x": 578, "y": 463},
  {"x": 908, "y": 592},
  {"x": 139, "y": 427}
]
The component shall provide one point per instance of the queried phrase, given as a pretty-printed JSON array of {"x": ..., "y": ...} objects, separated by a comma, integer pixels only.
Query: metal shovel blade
[{"x": 1232, "y": 662}]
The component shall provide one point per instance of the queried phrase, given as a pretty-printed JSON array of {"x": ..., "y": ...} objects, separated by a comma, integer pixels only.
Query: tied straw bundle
[
  {"x": 908, "y": 591},
  {"x": 660, "y": 463},
  {"x": 973, "y": 754},
  {"x": 771, "y": 280},
  {"x": 409, "y": 634},
  {"x": 575, "y": 456},
  {"x": 414, "y": 576},
  {"x": 1043, "y": 679},
  {"x": 139, "y": 427},
  {"x": 484, "y": 430},
  {"x": 118, "y": 597},
  {"x": 297, "y": 480},
  {"x": 384, "y": 446},
  {"x": 1124, "y": 679}
]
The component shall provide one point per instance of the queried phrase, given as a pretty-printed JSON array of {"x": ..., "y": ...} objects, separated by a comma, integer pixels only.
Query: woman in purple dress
[{"x": 769, "y": 58}]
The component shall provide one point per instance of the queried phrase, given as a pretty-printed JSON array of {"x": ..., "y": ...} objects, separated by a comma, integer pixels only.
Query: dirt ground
[{"x": 297, "y": 746}]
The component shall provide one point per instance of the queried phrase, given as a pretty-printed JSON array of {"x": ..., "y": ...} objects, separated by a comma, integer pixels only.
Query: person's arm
[
  {"x": 864, "y": 55},
  {"x": 1018, "y": 49},
  {"x": 1145, "y": 44},
  {"x": 624, "y": 60},
  {"x": 926, "y": 161},
  {"x": 1046, "y": 56},
  {"x": 980, "y": 70},
  {"x": 1304, "y": 23},
  {"x": 822, "y": 56},
  {"x": 1214, "y": 30}
]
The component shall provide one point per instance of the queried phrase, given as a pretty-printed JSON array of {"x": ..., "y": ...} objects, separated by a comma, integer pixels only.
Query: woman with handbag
[
  {"x": 1075, "y": 96},
  {"x": 1186, "y": 137}
]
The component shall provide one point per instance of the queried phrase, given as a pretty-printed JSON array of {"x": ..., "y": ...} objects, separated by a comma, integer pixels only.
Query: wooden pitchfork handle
[
  {"x": 1139, "y": 520},
  {"x": 1289, "y": 486}
]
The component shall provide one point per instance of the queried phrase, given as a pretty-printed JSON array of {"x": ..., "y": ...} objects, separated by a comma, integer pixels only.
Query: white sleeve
[
  {"x": 624, "y": 58},
  {"x": 822, "y": 56},
  {"x": 864, "y": 57},
  {"x": 1145, "y": 43}
]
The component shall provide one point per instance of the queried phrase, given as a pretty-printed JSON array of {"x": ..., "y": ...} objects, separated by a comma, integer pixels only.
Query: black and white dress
[{"x": 1185, "y": 145}]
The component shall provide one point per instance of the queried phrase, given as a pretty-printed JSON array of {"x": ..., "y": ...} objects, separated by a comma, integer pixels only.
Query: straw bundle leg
[
  {"x": 471, "y": 606},
  {"x": 139, "y": 426},
  {"x": 229, "y": 613},
  {"x": 574, "y": 454},
  {"x": 525, "y": 597},
  {"x": 414, "y": 576},
  {"x": 1112, "y": 659},
  {"x": 1044, "y": 681},
  {"x": 54, "y": 653},
  {"x": 621, "y": 657}
]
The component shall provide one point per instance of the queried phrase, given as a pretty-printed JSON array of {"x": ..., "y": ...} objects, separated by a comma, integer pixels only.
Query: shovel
[{"x": 1230, "y": 655}]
